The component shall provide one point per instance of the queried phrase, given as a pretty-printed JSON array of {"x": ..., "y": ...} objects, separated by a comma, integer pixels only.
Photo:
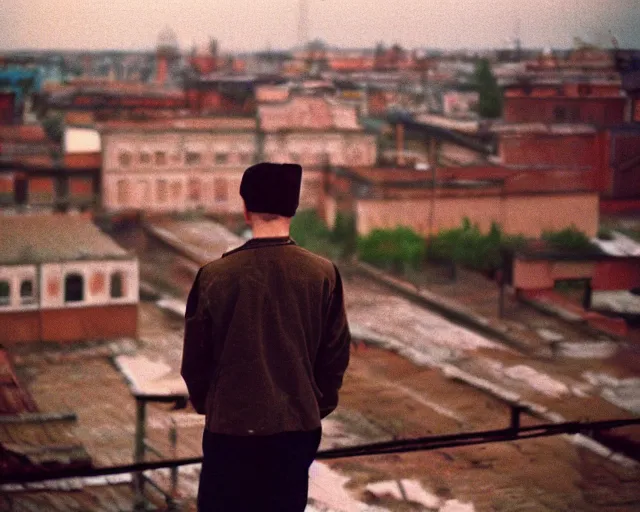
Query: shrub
[
  {"x": 308, "y": 229},
  {"x": 568, "y": 239},
  {"x": 400, "y": 248},
  {"x": 469, "y": 247}
]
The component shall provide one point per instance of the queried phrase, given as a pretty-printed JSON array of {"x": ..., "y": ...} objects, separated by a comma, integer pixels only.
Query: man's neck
[{"x": 267, "y": 230}]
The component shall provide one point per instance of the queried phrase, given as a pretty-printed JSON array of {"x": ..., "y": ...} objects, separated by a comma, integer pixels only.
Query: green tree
[{"x": 490, "y": 102}]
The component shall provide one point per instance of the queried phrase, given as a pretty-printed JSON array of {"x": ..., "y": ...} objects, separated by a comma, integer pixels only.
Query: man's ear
[{"x": 247, "y": 216}]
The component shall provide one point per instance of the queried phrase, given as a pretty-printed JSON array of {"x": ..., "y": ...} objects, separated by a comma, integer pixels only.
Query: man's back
[{"x": 271, "y": 315}]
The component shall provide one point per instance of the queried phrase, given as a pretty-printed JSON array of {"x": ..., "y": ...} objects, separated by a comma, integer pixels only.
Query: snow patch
[
  {"x": 408, "y": 490},
  {"x": 538, "y": 381},
  {"x": 457, "y": 506}
]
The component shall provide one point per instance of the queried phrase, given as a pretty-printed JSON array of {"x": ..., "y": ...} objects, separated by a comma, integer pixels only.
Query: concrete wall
[
  {"x": 96, "y": 280},
  {"x": 526, "y": 215}
]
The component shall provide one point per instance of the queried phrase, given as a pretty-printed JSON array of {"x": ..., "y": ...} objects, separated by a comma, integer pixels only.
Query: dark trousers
[{"x": 251, "y": 473}]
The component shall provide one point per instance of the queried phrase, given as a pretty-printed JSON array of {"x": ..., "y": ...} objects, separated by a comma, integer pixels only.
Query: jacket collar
[{"x": 256, "y": 243}]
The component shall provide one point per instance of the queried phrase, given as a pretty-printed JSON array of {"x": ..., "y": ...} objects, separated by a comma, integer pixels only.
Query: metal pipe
[{"x": 401, "y": 446}]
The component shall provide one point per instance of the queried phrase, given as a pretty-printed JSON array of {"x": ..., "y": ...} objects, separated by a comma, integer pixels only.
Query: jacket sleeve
[
  {"x": 197, "y": 364},
  {"x": 333, "y": 354}
]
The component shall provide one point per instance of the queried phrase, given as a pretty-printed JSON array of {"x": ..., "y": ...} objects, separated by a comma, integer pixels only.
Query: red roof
[{"x": 22, "y": 133}]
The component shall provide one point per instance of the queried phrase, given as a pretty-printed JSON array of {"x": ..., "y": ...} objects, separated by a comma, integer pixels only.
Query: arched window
[
  {"x": 73, "y": 288},
  {"x": 26, "y": 291},
  {"x": 5, "y": 293},
  {"x": 117, "y": 290}
]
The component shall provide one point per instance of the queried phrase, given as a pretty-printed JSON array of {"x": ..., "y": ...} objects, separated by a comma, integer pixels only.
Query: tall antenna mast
[{"x": 303, "y": 30}]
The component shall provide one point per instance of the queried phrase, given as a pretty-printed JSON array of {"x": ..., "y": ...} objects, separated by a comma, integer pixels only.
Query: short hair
[{"x": 266, "y": 217}]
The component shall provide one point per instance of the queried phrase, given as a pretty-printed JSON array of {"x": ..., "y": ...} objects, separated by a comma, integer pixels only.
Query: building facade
[
  {"x": 314, "y": 132},
  {"x": 62, "y": 280},
  {"x": 176, "y": 167}
]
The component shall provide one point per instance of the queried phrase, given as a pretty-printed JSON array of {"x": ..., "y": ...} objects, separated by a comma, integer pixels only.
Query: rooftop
[
  {"x": 47, "y": 238},
  {"x": 186, "y": 124}
]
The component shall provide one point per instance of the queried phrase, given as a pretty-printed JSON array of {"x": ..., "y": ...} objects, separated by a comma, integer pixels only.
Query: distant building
[
  {"x": 459, "y": 104},
  {"x": 62, "y": 280},
  {"x": 384, "y": 198},
  {"x": 221, "y": 94},
  {"x": 314, "y": 132},
  {"x": 88, "y": 101},
  {"x": 590, "y": 102},
  {"x": 178, "y": 165}
]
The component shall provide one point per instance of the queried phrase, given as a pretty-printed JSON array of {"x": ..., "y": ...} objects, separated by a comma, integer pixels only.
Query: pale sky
[{"x": 257, "y": 24}]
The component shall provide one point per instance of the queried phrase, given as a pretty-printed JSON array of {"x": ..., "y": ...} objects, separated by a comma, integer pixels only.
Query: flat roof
[{"x": 50, "y": 238}]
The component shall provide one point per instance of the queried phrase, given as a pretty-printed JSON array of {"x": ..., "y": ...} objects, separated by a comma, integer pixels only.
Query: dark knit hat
[{"x": 272, "y": 188}]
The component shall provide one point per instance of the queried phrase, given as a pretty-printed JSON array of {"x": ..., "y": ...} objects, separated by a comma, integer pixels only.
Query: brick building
[
  {"x": 63, "y": 280},
  {"x": 384, "y": 198},
  {"x": 595, "y": 103}
]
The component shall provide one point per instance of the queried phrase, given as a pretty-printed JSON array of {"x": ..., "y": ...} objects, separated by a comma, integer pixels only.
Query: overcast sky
[{"x": 257, "y": 24}]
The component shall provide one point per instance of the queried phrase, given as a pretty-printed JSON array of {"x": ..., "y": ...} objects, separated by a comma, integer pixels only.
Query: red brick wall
[
  {"x": 558, "y": 150},
  {"x": 41, "y": 190},
  {"x": 602, "y": 111},
  {"x": 618, "y": 274},
  {"x": 80, "y": 187},
  {"x": 69, "y": 325},
  {"x": 625, "y": 160},
  {"x": 83, "y": 160},
  {"x": 19, "y": 327}
]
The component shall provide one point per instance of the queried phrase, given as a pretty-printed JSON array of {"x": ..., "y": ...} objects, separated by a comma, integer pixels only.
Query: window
[
  {"x": 162, "y": 192},
  {"x": 145, "y": 158},
  {"x": 193, "y": 158},
  {"x": 117, "y": 289},
  {"x": 122, "y": 192},
  {"x": 73, "y": 288},
  {"x": 161, "y": 158},
  {"x": 26, "y": 292},
  {"x": 124, "y": 158},
  {"x": 195, "y": 189},
  {"x": 176, "y": 190},
  {"x": 222, "y": 158},
  {"x": 5, "y": 293},
  {"x": 220, "y": 190},
  {"x": 145, "y": 190}
]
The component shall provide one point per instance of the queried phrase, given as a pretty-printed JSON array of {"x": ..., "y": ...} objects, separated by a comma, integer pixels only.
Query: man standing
[{"x": 265, "y": 349}]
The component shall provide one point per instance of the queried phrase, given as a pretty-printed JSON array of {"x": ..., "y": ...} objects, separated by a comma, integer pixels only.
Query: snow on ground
[
  {"x": 537, "y": 380},
  {"x": 150, "y": 376},
  {"x": 426, "y": 332},
  {"x": 411, "y": 489},
  {"x": 624, "y": 393}
]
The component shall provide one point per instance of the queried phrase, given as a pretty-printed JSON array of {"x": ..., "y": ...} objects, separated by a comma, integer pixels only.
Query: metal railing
[{"x": 513, "y": 432}]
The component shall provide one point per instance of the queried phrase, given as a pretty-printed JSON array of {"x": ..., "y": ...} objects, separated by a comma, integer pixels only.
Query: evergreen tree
[{"x": 490, "y": 102}]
